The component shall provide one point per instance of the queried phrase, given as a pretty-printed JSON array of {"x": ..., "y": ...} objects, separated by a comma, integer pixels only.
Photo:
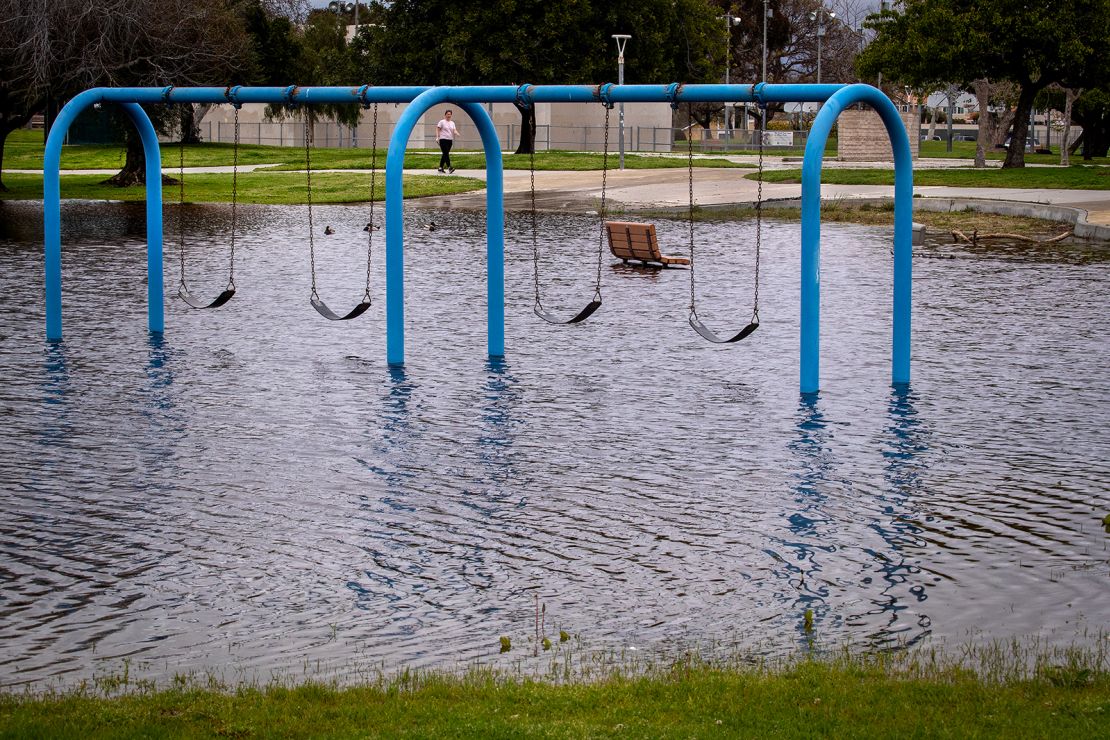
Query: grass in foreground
[
  {"x": 855, "y": 698},
  {"x": 254, "y": 187},
  {"x": 1076, "y": 177}
]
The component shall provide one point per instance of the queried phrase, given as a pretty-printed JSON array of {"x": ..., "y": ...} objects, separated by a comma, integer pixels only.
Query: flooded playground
[{"x": 257, "y": 493}]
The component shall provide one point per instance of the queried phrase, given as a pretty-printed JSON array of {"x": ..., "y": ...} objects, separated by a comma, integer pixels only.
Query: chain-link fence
[{"x": 565, "y": 138}]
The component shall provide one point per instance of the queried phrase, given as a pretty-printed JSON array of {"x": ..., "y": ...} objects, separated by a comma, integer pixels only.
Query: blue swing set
[{"x": 834, "y": 99}]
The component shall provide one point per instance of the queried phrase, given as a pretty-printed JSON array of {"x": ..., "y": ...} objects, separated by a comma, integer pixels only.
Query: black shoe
[
  {"x": 440, "y": 170},
  {"x": 451, "y": 171}
]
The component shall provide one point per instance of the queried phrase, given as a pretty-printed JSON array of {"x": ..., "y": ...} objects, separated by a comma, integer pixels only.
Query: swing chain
[
  {"x": 690, "y": 178},
  {"x": 234, "y": 200},
  {"x": 535, "y": 228},
  {"x": 308, "y": 192},
  {"x": 373, "y": 195},
  {"x": 181, "y": 202},
  {"x": 758, "y": 227},
  {"x": 602, "y": 213}
]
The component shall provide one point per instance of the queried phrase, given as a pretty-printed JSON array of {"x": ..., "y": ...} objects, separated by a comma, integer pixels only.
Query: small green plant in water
[
  {"x": 563, "y": 636},
  {"x": 1106, "y": 523},
  {"x": 808, "y": 621},
  {"x": 506, "y": 644},
  {"x": 546, "y": 643}
]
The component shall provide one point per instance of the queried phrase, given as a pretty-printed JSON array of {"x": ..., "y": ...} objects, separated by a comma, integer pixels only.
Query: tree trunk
[
  {"x": 3, "y": 138},
  {"x": 1096, "y": 143},
  {"x": 932, "y": 123},
  {"x": 1002, "y": 127},
  {"x": 527, "y": 143},
  {"x": 1069, "y": 97},
  {"x": 190, "y": 122},
  {"x": 134, "y": 167},
  {"x": 982, "y": 89},
  {"x": 1015, "y": 153},
  {"x": 1074, "y": 147}
]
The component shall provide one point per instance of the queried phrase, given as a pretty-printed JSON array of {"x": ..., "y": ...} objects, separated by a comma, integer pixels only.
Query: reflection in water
[
  {"x": 904, "y": 443},
  {"x": 811, "y": 527},
  {"x": 501, "y": 397},
  {"x": 56, "y": 427}
]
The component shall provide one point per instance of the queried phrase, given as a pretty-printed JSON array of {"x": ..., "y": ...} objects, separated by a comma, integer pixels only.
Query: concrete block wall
[{"x": 862, "y": 137}]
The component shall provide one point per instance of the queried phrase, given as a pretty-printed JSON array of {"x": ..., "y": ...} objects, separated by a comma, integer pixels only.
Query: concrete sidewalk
[{"x": 667, "y": 189}]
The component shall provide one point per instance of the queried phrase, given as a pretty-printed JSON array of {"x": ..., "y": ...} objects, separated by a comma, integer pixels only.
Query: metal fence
[{"x": 564, "y": 138}]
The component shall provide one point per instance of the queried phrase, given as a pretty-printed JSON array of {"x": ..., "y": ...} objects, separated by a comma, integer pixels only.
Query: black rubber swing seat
[
  {"x": 327, "y": 313},
  {"x": 184, "y": 294},
  {"x": 709, "y": 334},
  {"x": 582, "y": 315}
]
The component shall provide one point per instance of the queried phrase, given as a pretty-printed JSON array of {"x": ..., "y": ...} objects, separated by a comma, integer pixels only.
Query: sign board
[{"x": 778, "y": 138}]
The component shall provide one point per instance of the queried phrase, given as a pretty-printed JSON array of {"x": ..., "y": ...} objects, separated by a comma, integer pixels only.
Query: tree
[
  {"x": 517, "y": 41},
  {"x": 56, "y": 48},
  {"x": 932, "y": 41},
  {"x": 1092, "y": 111}
]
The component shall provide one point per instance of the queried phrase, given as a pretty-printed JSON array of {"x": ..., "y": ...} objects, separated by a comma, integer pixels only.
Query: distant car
[{"x": 965, "y": 137}]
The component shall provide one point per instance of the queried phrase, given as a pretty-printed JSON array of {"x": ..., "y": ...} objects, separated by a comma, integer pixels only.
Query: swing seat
[{"x": 635, "y": 241}]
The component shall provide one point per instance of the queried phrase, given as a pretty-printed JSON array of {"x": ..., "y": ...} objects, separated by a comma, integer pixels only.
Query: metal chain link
[
  {"x": 308, "y": 191},
  {"x": 690, "y": 174},
  {"x": 758, "y": 230},
  {"x": 234, "y": 200},
  {"x": 602, "y": 212},
  {"x": 373, "y": 194},
  {"x": 535, "y": 227},
  {"x": 181, "y": 204}
]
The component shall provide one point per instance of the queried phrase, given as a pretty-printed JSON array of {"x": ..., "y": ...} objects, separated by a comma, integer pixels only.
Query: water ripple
[{"x": 257, "y": 492}]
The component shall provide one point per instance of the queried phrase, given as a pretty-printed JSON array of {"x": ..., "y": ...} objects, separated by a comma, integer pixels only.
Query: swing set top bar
[{"x": 760, "y": 93}]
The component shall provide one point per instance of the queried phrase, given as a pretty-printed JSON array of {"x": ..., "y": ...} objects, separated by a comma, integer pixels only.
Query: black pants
[{"x": 445, "y": 157}]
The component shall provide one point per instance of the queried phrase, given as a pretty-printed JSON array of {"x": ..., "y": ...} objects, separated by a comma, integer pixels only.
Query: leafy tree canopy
[{"x": 930, "y": 42}]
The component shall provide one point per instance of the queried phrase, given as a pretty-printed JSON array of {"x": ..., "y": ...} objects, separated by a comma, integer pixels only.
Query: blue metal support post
[
  {"x": 394, "y": 221},
  {"x": 811, "y": 232},
  {"x": 52, "y": 211}
]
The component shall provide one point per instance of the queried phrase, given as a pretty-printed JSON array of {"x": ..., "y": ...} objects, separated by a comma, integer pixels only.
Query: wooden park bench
[{"x": 636, "y": 241}]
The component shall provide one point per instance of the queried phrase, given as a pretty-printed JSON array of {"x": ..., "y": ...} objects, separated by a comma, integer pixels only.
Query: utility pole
[
  {"x": 621, "y": 39},
  {"x": 950, "y": 93},
  {"x": 730, "y": 21},
  {"x": 763, "y": 108},
  {"x": 819, "y": 16}
]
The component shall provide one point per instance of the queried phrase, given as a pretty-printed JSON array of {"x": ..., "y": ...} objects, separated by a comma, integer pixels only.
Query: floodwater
[{"x": 257, "y": 493}]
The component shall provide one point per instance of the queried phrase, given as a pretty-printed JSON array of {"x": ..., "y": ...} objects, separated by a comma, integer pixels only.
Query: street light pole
[
  {"x": 621, "y": 39},
  {"x": 730, "y": 21},
  {"x": 819, "y": 16},
  {"x": 763, "y": 108}
]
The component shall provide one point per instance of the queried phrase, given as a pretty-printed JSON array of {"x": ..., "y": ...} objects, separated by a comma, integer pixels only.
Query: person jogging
[{"x": 446, "y": 131}]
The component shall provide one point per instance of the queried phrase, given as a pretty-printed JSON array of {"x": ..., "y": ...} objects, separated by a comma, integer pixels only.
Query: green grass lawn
[
  {"x": 966, "y": 150},
  {"x": 254, "y": 187},
  {"x": 24, "y": 151},
  {"x": 1076, "y": 177},
  {"x": 808, "y": 700}
]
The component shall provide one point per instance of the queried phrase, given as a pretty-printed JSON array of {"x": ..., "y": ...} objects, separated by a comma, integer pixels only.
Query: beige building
[{"x": 564, "y": 126}]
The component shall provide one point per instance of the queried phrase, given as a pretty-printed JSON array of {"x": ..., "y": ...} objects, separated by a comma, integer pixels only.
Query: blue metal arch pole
[
  {"x": 52, "y": 211},
  {"x": 394, "y": 224},
  {"x": 837, "y": 97},
  {"x": 811, "y": 232}
]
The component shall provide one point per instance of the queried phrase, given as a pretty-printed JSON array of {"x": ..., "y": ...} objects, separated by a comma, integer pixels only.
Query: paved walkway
[{"x": 667, "y": 189}]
